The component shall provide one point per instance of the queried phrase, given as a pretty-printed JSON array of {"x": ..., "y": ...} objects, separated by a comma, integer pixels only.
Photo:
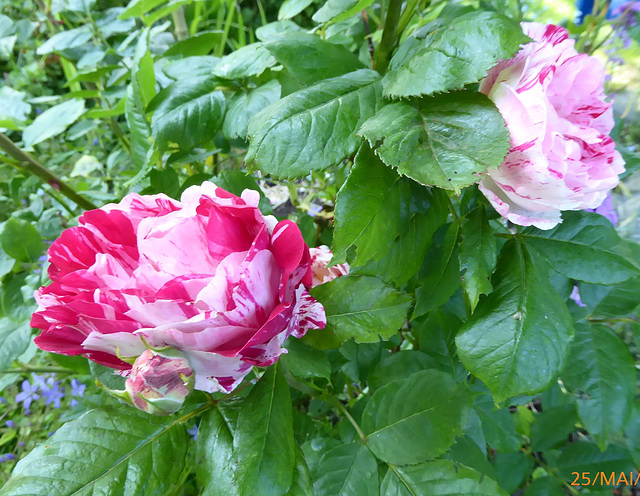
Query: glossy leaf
[
  {"x": 15, "y": 338},
  {"x": 187, "y": 113},
  {"x": 586, "y": 247},
  {"x": 282, "y": 143},
  {"x": 21, "y": 241},
  {"x": 359, "y": 307},
  {"x": 478, "y": 255},
  {"x": 611, "y": 301},
  {"x": 438, "y": 478},
  {"x": 339, "y": 10},
  {"x": 439, "y": 276},
  {"x": 517, "y": 340},
  {"x": 244, "y": 105},
  {"x": 498, "y": 425},
  {"x": 108, "y": 452},
  {"x": 53, "y": 121},
  {"x": 291, "y": 8},
  {"x": 250, "y": 60},
  {"x": 416, "y": 418},
  {"x": 305, "y": 361},
  {"x": 553, "y": 426},
  {"x": 453, "y": 55},
  {"x": 601, "y": 371},
  {"x": 65, "y": 40},
  {"x": 586, "y": 457},
  {"x": 443, "y": 141},
  {"x": 347, "y": 470},
  {"x": 309, "y": 58}
]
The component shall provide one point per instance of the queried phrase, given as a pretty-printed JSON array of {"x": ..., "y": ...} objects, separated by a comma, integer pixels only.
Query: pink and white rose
[
  {"x": 320, "y": 258},
  {"x": 208, "y": 275},
  {"x": 562, "y": 157}
]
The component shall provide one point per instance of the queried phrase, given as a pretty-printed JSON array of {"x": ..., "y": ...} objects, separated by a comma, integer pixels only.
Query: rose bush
[
  {"x": 562, "y": 157},
  {"x": 208, "y": 275}
]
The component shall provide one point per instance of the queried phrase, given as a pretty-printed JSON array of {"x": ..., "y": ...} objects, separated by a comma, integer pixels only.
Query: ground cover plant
[{"x": 342, "y": 247}]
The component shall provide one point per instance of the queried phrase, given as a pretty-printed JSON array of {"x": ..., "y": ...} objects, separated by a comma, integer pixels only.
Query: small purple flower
[
  {"x": 21, "y": 444},
  {"x": 28, "y": 395},
  {"x": 314, "y": 209},
  {"x": 38, "y": 111},
  {"x": 95, "y": 141},
  {"x": 575, "y": 296},
  {"x": 52, "y": 392},
  {"x": 7, "y": 457},
  {"x": 2, "y": 400},
  {"x": 193, "y": 432},
  {"x": 51, "y": 433},
  {"x": 10, "y": 424},
  {"x": 77, "y": 389},
  {"x": 607, "y": 210}
]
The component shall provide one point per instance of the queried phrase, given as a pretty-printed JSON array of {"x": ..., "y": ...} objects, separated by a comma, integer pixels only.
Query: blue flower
[
  {"x": 10, "y": 424},
  {"x": 28, "y": 394},
  {"x": 193, "y": 432},
  {"x": 95, "y": 141},
  {"x": 77, "y": 389},
  {"x": 7, "y": 457}
]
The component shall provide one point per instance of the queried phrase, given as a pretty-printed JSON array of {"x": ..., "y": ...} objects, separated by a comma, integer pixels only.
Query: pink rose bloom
[
  {"x": 562, "y": 157},
  {"x": 320, "y": 258},
  {"x": 159, "y": 384},
  {"x": 208, "y": 275}
]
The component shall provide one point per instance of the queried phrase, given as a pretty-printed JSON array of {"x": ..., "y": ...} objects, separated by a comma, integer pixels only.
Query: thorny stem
[{"x": 32, "y": 166}]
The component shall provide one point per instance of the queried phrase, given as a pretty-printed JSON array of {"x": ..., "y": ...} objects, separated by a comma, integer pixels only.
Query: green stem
[
  {"x": 40, "y": 370},
  {"x": 355, "y": 425},
  {"x": 406, "y": 16},
  {"x": 389, "y": 36},
  {"x": 180, "y": 24},
  {"x": 453, "y": 211},
  {"x": 32, "y": 166}
]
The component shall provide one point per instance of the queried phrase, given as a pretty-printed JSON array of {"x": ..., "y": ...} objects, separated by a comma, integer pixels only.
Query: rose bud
[
  {"x": 208, "y": 275},
  {"x": 320, "y": 258},
  {"x": 562, "y": 157},
  {"x": 159, "y": 384}
]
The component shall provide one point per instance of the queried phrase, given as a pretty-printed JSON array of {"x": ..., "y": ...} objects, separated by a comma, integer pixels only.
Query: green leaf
[
  {"x": 21, "y": 240},
  {"x": 65, "y": 40},
  {"x": 104, "y": 452},
  {"x": 359, "y": 307},
  {"x": 416, "y": 418},
  {"x": 15, "y": 338},
  {"x": 544, "y": 486},
  {"x": 188, "y": 112},
  {"x": 138, "y": 8},
  {"x": 310, "y": 59},
  {"x": 453, "y": 55},
  {"x": 436, "y": 338},
  {"x": 347, "y": 470},
  {"x": 583, "y": 456},
  {"x": 52, "y": 122},
  {"x": 315, "y": 127},
  {"x": 439, "y": 277},
  {"x": 517, "y": 339},
  {"x": 301, "y": 479},
  {"x": 380, "y": 213},
  {"x": 215, "y": 464},
  {"x": 443, "y": 141},
  {"x": 512, "y": 469},
  {"x": 339, "y": 10},
  {"x": 199, "y": 44},
  {"x": 291, "y": 8},
  {"x": 244, "y": 105},
  {"x": 250, "y": 60},
  {"x": 188, "y": 67},
  {"x": 398, "y": 366},
  {"x": 611, "y": 301},
  {"x": 278, "y": 29},
  {"x": 478, "y": 255},
  {"x": 236, "y": 181},
  {"x": 468, "y": 453},
  {"x": 586, "y": 247},
  {"x": 553, "y": 426},
  {"x": 498, "y": 425},
  {"x": 422, "y": 211},
  {"x": 165, "y": 181},
  {"x": 438, "y": 478},
  {"x": 601, "y": 371},
  {"x": 12, "y": 105},
  {"x": 304, "y": 361}
]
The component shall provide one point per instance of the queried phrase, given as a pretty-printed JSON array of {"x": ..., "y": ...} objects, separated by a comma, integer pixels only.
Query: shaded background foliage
[{"x": 110, "y": 97}]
